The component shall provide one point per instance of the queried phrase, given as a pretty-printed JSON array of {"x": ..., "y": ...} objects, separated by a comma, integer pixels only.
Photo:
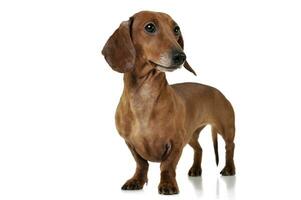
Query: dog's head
[{"x": 154, "y": 38}]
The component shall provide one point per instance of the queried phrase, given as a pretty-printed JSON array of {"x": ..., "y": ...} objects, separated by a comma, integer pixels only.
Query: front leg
[
  {"x": 140, "y": 176},
  {"x": 168, "y": 184}
]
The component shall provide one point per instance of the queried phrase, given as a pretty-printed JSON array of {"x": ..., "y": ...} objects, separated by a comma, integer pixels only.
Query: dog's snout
[{"x": 178, "y": 58}]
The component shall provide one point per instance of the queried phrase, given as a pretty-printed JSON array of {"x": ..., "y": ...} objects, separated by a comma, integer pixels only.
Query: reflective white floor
[{"x": 96, "y": 169}]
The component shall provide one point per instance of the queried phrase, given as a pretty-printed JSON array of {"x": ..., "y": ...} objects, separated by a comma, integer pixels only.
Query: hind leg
[
  {"x": 196, "y": 169},
  {"x": 229, "y": 168}
]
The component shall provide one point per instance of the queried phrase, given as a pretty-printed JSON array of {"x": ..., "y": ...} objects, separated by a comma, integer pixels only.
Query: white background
[{"x": 58, "y": 98}]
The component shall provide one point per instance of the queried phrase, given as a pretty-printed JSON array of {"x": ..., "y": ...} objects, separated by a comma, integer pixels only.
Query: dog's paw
[
  {"x": 228, "y": 171},
  {"x": 133, "y": 184},
  {"x": 195, "y": 171},
  {"x": 168, "y": 188}
]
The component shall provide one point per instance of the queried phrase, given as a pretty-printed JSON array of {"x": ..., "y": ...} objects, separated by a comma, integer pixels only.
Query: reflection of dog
[{"x": 157, "y": 119}]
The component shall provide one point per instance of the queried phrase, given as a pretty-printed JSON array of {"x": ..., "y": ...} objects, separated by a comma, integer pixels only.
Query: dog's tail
[{"x": 215, "y": 144}]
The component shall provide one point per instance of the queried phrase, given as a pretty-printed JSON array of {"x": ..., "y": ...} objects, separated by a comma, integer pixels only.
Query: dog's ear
[
  {"x": 186, "y": 65},
  {"x": 119, "y": 50}
]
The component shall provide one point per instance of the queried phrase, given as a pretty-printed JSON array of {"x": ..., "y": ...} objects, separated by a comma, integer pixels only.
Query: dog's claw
[
  {"x": 195, "y": 171},
  {"x": 133, "y": 184},
  {"x": 228, "y": 171}
]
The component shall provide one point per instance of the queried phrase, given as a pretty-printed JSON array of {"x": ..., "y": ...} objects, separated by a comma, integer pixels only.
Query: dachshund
[{"x": 156, "y": 119}]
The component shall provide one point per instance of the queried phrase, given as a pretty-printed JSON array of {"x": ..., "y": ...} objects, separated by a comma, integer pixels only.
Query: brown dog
[{"x": 157, "y": 119}]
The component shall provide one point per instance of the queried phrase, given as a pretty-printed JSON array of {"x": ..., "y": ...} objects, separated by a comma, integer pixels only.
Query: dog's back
[{"x": 208, "y": 103}]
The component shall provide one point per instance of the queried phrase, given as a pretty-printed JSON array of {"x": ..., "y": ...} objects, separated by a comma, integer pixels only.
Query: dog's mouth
[{"x": 164, "y": 68}]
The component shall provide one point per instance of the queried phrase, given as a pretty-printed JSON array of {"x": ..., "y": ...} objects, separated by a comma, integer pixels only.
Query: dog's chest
[
  {"x": 152, "y": 147},
  {"x": 147, "y": 117},
  {"x": 149, "y": 128},
  {"x": 143, "y": 119}
]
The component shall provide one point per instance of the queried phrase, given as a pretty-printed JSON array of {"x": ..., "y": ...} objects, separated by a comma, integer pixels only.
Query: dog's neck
[
  {"x": 147, "y": 93},
  {"x": 148, "y": 86}
]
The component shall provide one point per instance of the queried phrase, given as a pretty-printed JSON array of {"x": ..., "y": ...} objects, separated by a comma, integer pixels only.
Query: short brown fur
[{"x": 156, "y": 119}]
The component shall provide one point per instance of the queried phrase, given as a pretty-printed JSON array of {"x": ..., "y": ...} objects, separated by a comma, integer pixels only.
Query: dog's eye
[
  {"x": 150, "y": 28},
  {"x": 177, "y": 30}
]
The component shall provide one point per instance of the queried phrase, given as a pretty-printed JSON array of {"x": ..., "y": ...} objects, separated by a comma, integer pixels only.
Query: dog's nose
[{"x": 178, "y": 58}]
